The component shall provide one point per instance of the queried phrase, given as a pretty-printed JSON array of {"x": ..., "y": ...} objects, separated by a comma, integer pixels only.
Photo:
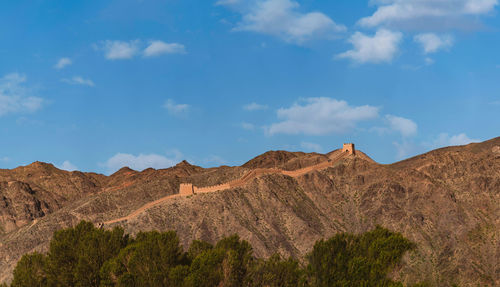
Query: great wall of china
[{"x": 188, "y": 189}]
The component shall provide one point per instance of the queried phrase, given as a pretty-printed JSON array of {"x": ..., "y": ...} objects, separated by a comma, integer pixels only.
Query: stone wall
[
  {"x": 212, "y": 188},
  {"x": 188, "y": 189}
]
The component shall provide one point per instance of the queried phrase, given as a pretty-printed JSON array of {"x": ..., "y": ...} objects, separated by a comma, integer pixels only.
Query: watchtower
[
  {"x": 349, "y": 148},
  {"x": 186, "y": 189}
]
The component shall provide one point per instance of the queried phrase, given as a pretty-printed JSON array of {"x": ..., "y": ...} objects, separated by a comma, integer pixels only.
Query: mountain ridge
[{"x": 446, "y": 200}]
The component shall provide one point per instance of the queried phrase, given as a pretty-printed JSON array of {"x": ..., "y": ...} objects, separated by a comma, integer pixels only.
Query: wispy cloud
[
  {"x": 379, "y": 48},
  {"x": 425, "y": 13},
  {"x": 119, "y": 50},
  {"x": 62, "y": 63},
  {"x": 408, "y": 148},
  {"x": 320, "y": 116},
  {"x": 157, "y": 48},
  {"x": 432, "y": 43},
  {"x": 77, "y": 80},
  {"x": 140, "y": 162},
  {"x": 445, "y": 139},
  {"x": 174, "y": 108},
  {"x": 402, "y": 125},
  {"x": 214, "y": 159},
  {"x": 67, "y": 165},
  {"x": 124, "y": 50},
  {"x": 247, "y": 126},
  {"x": 309, "y": 146},
  {"x": 254, "y": 107},
  {"x": 282, "y": 18},
  {"x": 15, "y": 97}
]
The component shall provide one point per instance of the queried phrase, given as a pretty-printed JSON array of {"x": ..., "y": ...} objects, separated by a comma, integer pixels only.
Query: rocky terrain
[{"x": 447, "y": 201}]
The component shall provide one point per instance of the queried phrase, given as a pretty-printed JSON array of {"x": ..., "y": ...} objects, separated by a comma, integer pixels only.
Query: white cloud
[
  {"x": 418, "y": 12},
  {"x": 63, "y": 62},
  {"x": 157, "y": 48},
  {"x": 14, "y": 96},
  {"x": 248, "y": 126},
  {"x": 281, "y": 18},
  {"x": 382, "y": 47},
  {"x": 66, "y": 165},
  {"x": 320, "y": 116},
  {"x": 139, "y": 162},
  {"x": 4, "y": 159},
  {"x": 119, "y": 50},
  {"x": 406, "y": 149},
  {"x": 308, "y": 146},
  {"x": 175, "y": 109},
  {"x": 446, "y": 140},
  {"x": 254, "y": 107},
  {"x": 432, "y": 43},
  {"x": 215, "y": 159},
  {"x": 404, "y": 126},
  {"x": 77, "y": 80}
]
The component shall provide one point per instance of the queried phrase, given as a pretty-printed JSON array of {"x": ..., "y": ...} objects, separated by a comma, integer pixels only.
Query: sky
[{"x": 96, "y": 85}]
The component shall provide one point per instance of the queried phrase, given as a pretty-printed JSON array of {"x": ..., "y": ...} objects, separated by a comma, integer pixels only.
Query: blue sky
[{"x": 96, "y": 85}]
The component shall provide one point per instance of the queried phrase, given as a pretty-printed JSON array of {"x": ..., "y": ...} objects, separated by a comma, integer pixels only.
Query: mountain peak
[
  {"x": 183, "y": 163},
  {"x": 124, "y": 170}
]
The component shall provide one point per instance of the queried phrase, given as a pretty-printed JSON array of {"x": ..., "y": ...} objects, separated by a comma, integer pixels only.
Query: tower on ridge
[
  {"x": 349, "y": 148},
  {"x": 186, "y": 189}
]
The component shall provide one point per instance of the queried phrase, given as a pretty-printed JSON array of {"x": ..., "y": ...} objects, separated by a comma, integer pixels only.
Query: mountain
[{"x": 446, "y": 200}]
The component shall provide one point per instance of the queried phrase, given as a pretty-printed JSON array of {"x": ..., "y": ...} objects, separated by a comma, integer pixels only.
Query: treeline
[{"x": 88, "y": 256}]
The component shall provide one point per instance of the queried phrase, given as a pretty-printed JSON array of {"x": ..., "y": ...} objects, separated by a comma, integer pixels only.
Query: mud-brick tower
[
  {"x": 186, "y": 189},
  {"x": 349, "y": 148}
]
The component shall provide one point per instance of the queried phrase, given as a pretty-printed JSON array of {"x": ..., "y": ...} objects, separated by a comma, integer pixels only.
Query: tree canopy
[{"x": 88, "y": 256}]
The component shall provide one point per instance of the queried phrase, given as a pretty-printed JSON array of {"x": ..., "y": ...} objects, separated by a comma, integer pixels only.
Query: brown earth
[{"x": 447, "y": 201}]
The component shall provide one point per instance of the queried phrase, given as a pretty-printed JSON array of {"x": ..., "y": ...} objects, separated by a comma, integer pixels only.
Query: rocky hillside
[{"x": 447, "y": 201}]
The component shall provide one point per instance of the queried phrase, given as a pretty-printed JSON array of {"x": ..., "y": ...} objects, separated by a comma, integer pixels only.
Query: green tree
[
  {"x": 87, "y": 256},
  {"x": 275, "y": 272},
  {"x": 224, "y": 265},
  {"x": 357, "y": 260},
  {"x": 197, "y": 247},
  {"x": 30, "y": 271},
  {"x": 237, "y": 259},
  {"x": 77, "y": 254},
  {"x": 147, "y": 261},
  {"x": 178, "y": 274}
]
